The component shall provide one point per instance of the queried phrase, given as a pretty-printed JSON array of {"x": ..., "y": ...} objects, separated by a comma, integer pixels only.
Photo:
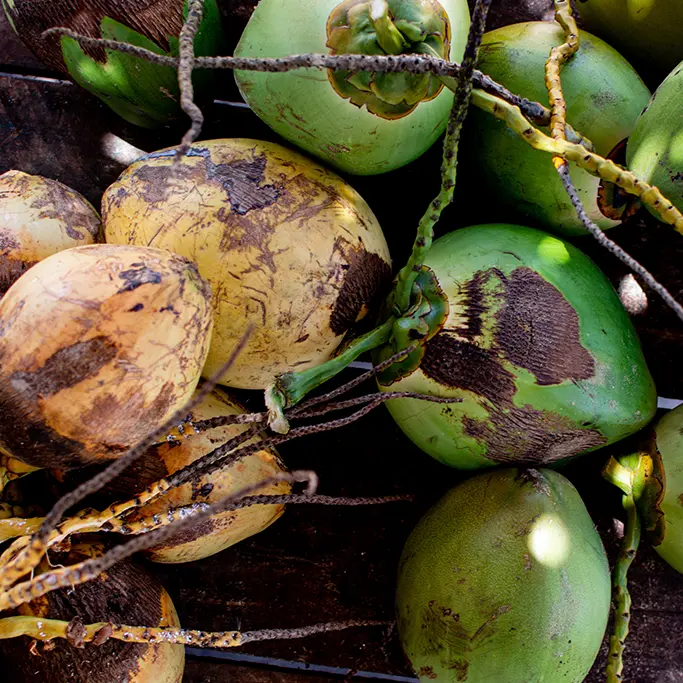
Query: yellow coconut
[
  {"x": 39, "y": 217},
  {"x": 99, "y": 345},
  {"x": 125, "y": 594},
  {"x": 227, "y": 528},
  {"x": 285, "y": 243}
]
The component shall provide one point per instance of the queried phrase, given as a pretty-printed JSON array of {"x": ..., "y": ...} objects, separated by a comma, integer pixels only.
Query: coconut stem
[
  {"x": 186, "y": 64},
  {"x": 78, "y": 633},
  {"x": 622, "y": 477},
  {"x": 32, "y": 552},
  {"x": 613, "y": 247},
  {"x": 423, "y": 63},
  {"x": 558, "y": 57},
  {"x": 425, "y": 230},
  {"x": 291, "y": 387},
  {"x": 85, "y": 571},
  {"x": 621, "y": 596},
  {"x": 589, "y": 161},
  {"x": 388, "y": 36},
  {"x": 158, "y": 520}
]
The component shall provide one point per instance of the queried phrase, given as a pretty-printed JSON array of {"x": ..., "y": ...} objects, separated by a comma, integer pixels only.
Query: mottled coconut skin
[
  {"x": 286, "y": 245},
  {"x": 504, "y": 579},
  {"x": 38, "y": 218},
  {"x": 536, "y": 345},
  {"x": 99, "y": 345}
]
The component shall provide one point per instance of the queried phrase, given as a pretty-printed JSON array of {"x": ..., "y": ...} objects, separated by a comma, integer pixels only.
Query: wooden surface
[{"x": 321, "y": 564}]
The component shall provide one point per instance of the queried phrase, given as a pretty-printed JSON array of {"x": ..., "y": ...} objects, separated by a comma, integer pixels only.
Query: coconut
[
  {"x": 226, "y": 528},
  {"x": 654, "y": 151},
  {"x": 39, "y": 217},
  {"x": 124, "y": 594},
  {"x": 143, "y": 93},
  {"x": 99, "y": 346},
  {"x": 537, "y": 346},
  {"x": 604, "y": 97},
  {"x": 362, "y": 123},
  {"x": 504, "y": 579},
  {"x": 286, "y": 245}
]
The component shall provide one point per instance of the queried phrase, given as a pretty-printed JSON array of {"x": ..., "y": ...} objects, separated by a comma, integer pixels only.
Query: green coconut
[
  {"x": 656, "y": 475},
  {"x": 363, "y": 123},
  {"x": 504, "y": 579},
  {"x": 604, "y": 98},
  {"x": 669, "y": 439},
  {"x": 655, "y": 149},
  {"x": 144, "y": 94},
  {"x": 647, "y": 32},
  {"x": 535, "y": 343}
]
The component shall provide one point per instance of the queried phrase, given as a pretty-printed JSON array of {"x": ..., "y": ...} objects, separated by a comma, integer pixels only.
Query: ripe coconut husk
[
  {"x": 38, "y": 218},
  {"x": 99, "y": 345}
]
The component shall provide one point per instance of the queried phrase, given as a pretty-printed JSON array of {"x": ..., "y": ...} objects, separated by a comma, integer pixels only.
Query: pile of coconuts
[{"x": 110, "y": 320}]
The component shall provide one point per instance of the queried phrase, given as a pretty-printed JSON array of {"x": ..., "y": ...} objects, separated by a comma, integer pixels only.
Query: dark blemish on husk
[
  {"x": 539, "y": 330},
  {"x": 26, "y": 436},
  {"x": 10, "y": 271},
  {"x": 241, "y": 180},
  {"x": 66, "y": 368},
  {"x": 513, "y": 434},
  {"x": 536, "y": 479},
  {"x": 61, "y": 204},
  {"x": 198, "y": 530},
  {"x": 128, "y": 595},
  {"x": 475, "y": 306},
  {"x": 426, "y": 672},
  {"x": 8, "y": 242},
  {"x": 443, "y": 635},
  {"x": 366, "y": 280},
  {"x": 461, "y": 667},
  {"x": 137, "y": 276},
  {"x": 462, "y": 365}
]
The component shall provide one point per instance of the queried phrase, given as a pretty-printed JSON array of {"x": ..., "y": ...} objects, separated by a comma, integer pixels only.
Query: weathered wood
[{"x": 202, "y": 671}]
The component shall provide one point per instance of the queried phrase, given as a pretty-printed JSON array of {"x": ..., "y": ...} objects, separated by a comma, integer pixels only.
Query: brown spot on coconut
[
  {"x": 39, "y": 217},
  {"x": 227, "y": 528},
  {"x": 98, "y": 346},
  {"x": 285, "y": 244},
  {"x": 124, "y": 594}
]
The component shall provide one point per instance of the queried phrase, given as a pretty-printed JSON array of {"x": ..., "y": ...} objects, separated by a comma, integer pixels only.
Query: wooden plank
[{"x": 203, "y": 671}]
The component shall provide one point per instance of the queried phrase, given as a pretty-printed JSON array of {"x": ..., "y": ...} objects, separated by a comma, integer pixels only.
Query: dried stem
[
  {"x": 585, "y": 159},
  {"x": 78, "y": 634},
  {"x": 418, "y": 64},
  {"x": 425, "y": 230},
  {"x": 142, "y": 526},
  {"x": 89, "y": 569},
  {"x": 31, "y": 554},
  {"x": 614, "y": 248},
  {"x": 29, "y": 590},
  {"x": 186, "y": 64}
]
